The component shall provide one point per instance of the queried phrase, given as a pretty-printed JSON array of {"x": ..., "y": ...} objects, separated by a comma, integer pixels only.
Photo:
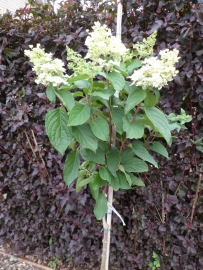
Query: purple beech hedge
[{"x": 38, "y": 212}]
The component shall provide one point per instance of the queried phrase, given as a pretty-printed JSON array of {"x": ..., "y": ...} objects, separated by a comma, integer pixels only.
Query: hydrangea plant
[
  {"x": 112, "y": 87},
  {"x": 108, "y": 115}
]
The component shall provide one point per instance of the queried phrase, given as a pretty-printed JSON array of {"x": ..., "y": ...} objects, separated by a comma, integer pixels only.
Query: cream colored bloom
[
  {"x": 101, "y": 43},
  {"x": 145, "y": 48},
  {"x": 48, "y": 70},
  {"x": 104, "y": 51},
  {"x": 155, "y": 73}
]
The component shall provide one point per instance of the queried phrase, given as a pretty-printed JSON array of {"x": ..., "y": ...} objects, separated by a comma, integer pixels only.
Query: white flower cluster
[
  {"x": 145, "y": 48},
  {"x": 47, "y": 69},
  {"x": 157, "y": 72},
  {"x": 101, "y": 45},
  {"x": 104, "y": 51},
  {"x": 80, "y": 66}
]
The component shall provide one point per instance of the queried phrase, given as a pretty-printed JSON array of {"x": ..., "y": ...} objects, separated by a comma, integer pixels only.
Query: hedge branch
[
  {"x": 196, "y": 197},
  {"x": 36, "y": 144},
  {"x": 162, "y": 203},
  {"x": 31, "y": 147}
]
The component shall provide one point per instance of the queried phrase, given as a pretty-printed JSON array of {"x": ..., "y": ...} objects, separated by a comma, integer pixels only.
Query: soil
[{"x": 10, "y": 261}]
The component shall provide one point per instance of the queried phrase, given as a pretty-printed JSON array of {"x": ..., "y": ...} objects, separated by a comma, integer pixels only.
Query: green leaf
[
  {"x": 79, "y": 115},
  {"x": 127, "y": 153},
  {"x": 117, "y": 102},
  {"x": 154, "y": 255},
  {"x": 66, "y": 87},
  {"x": 98, "y": 182},
  {"x": 99, "y": 85},
  {"x": 142, "y": 153},
  {"x": 117, "y": 115},
  {"x": 151, "y": 265},
  {"x": 71, "y": 167},
  {"x": 101, "y": 100},
  {"x": 98, "y": 156},
  {"x": 121, "y": 168},
  {"x": 159, "y": 121},
  {"x": 136, "y": 63},
  {"x": 59, "y": 133},
  {"x": 81, "y": 175},
  {"x": 122, "y": 181},
  {"x": 94, "y": 192},
  {"x": 133, "y": 130},
  {"x": 136, "y": 181},
  {"x": 114, "y": 182},
  {"x": 9, "y": 52},
  {"x": 157, "y": 264},
  {"x": 73, "y": 78},
  {"x": 100, "y": 128},
  {"x": 92, "y": 165},
  {"x": 116, "y": 80},
  {"x": 50, "y": 241},
  {"x": 104, "y": 147},
  {"x": 159, "y": 148},
  {"x": 134, "y": 165},
  {"x": 100, "y": 208},
  {"x": 151, "y": 99},
  {"x": 97, "y": 112},
  {"x": 157, "y": 94},
  {"x": 78, "y": 94},
  {"x": 129, "y": 88},
  {"x": 113, "y": 159},
  {"x": 66, "y": 98},
  {"x": 122, "y": 69},
  {"x": 50, "y": 92},
  {"x": 105, "y": 174},
  {"x": 105, "y": 94},
  {"x": 83, "y": 134},
  {"x": 83, "y": 183},
  {"x": 199, "y": 148},
  {"x": 82, "y": 84},
  {"x": 134, "y": 99},
  {"x": 145, "y": 121}
]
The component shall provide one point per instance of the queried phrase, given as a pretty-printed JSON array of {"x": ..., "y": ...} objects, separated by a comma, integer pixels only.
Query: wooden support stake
[{"x": 107, "y": 220}]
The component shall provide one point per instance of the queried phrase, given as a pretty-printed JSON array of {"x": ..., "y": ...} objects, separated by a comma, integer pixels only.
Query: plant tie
[{"x": 116, "y": 212}]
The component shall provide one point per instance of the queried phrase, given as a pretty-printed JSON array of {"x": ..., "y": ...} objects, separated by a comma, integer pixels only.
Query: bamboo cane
[{"x": 107, "y": 220}]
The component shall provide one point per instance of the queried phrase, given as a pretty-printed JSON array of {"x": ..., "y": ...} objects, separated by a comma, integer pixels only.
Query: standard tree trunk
[
  {"x": 107, "y": 233},
  {"x": 107, "y": 220}
]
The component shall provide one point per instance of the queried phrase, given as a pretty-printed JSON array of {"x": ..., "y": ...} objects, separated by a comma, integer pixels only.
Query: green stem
[
  {"x": 110, "y": 126},
  {"x": 91, "y": 84},
  {"x": 136, "y": 112},
  {"x": 148, "y": 141}
]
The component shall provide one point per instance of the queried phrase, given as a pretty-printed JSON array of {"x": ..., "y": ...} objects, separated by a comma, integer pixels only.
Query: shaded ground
[{"x": 10, "y": 261}]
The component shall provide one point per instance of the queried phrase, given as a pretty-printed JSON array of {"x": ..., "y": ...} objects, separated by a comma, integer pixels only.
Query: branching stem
[
  {"x": 196, "y": 197},
  {"x": 136, "y": 112},
  {"x": 110, "y": 127}
]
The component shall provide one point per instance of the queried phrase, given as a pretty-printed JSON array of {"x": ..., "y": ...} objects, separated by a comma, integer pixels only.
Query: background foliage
[{"x": 37, "y": 210}]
